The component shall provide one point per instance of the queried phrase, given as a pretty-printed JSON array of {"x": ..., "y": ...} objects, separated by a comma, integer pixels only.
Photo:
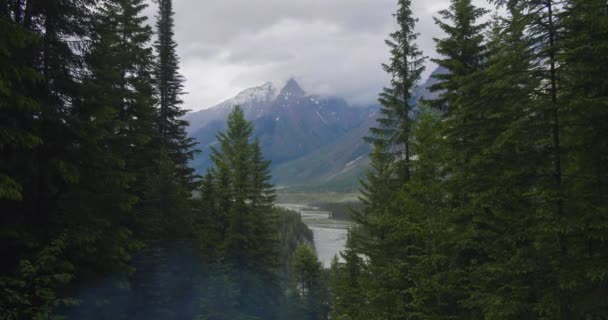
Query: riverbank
[{"x": 329, "y": 235}]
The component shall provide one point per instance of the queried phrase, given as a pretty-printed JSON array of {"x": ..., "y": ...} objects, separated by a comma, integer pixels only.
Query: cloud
[{"x": 333, "y": 47}]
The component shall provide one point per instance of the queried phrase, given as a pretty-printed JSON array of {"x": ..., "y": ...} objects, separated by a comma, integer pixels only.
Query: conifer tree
[
  {"x": 120, "y": 63},
  {"x": 119, "y": 102},
  {"x": 544, "y": 31},
  {"x": 504, "y": 172},
  {"x": 348, "y": 285},
  {"x": 391, "y": 163},
  {"x": 310, "y": 283},
  {"x": 462, "y": 53},
  {"x": 249, "y": 250},
  {"x": 40, "y": 64},
  {"x": 392, "y": 136},
  {"x": 17, "y": 77},
  {"x": 581, "y": 65},
  {"x": 169, "y": 87}
]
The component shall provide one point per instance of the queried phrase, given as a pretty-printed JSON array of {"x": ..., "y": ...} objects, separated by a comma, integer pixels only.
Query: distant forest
[{"x": 488, "y": 202}]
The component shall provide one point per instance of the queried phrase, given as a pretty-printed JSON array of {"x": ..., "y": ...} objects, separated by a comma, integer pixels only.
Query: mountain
[
  {"x": 313, "y": 142},
  {"x": 294, "y": 129},
  {"x": 255, "y": 101},
  {"x": 423, "y": 90}
]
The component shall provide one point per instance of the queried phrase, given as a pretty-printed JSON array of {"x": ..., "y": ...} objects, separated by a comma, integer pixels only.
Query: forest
[{"x": 489, "y": 201}]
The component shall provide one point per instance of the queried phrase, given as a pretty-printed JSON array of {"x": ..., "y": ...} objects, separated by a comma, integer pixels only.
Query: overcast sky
[{"x": 332, "y": 47}]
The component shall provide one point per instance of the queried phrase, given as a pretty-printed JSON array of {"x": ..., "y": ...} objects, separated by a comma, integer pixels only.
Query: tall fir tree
[
  {"x": 169, "y": 87},
  {"x": 503, "y": 170},
  {"x": 348, "y": 284},
  {"x": 462, "y": 52},
  {"x": 40, "y": 68},
  {"x": 581, "y": 64},
  {"x": 249, "y": 247},
  {"x": 310, "y": 284},
  {"x": 392, "y": 136},
  {"x": 391, "y": 162},
  {"x": 544, "y": 30},
  {"x": 119, "y": 103}
]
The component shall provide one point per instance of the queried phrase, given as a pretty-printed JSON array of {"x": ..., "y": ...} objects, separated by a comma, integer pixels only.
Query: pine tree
[
  {"x": 169, "y": 87},
  {"x": 543, "y": 29},
  {"x": 392, "y": 136},
  {"x": 462, "y": 50},
  {"x": 249, "y": 250},
  {"x": 348, "y": 283},
  {"x": 504, "y": 172},
  {"x": 117, "y": 117},
  {"x": 391, "y": 164},
  {"x": 438, "y": 285},
  {"x": 39, "y": 76},
  {"x": 581, "y": 65},
  {"x": 463, "y": 54},
  {"x": 310, "y": 284},
  {"x": 17, "y": 76},
  {"x": 261, "y": 200}
]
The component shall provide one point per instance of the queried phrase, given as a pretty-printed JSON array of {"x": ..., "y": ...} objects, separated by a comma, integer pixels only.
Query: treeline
[
  {"x": 490, "y": 202},
  {"x": 97, "y": 214}
]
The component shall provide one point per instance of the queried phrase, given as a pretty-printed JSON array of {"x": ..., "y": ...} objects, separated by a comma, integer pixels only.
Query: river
[{"x": 329, "y": 234}]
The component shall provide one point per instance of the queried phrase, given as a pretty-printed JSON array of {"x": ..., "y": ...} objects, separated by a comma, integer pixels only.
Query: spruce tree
[
  {"x": 249, "y": 250},
  {"x": 169, "y": 87},
  {"x": 349, "y": 284},
  {"x": 17, "y": 76},
  {"x": 392, "y": 136},
  {"x": 391, "y": 158},
  {"x": 583, "y": 93},
  {"x": 310, "y": 285},
  {"x": 39, "y": 69},
  {"x": 496, "y": 181},
  {"x": 543, "y": 30},
  {"x": 462, "y": 53}
]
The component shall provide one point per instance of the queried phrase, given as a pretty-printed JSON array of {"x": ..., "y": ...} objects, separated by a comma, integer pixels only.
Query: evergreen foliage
[
  {"x": 169, "y": 87},
  {"x": 98, "y": 219},
  {"x": 310, "y": 284},
  {"x": 502, "y": 212},
  {"x": 486, "y": 203},
  {"x": 243, "y": 221}
]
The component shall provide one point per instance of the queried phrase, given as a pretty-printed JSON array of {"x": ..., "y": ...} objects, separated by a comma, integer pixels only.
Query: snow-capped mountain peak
[{"x": 260, "y": 94}]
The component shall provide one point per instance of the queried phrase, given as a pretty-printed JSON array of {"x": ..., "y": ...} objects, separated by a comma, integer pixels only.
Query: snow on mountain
[
  {"x": 311, "y": 140},
  {"x": 265, "y": 93},
  {"x": 255, "y": 101}
]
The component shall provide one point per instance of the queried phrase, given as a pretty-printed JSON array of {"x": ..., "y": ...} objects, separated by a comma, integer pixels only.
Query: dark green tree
[
  {"x": 17, "y": 76},
  {"x": 310, "y": 284},
  {"x": 462, "y": 51},
  {"x": 504, "y": 172},
  {"x": 391, "y": 169},
  {"x": 169, "y": 87},
  {"x": 249, "y": 248},
  {"x": 39, "y": 85},
  {"x": 583, "y": 94},
  {"x": 392, "y": 136},
  {"x": 348, "y": 284},
  {"x": 544, "y": 29},
  {"x": 115, "y": 120}
]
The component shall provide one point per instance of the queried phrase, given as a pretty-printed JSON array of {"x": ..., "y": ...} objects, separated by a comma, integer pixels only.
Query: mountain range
[{"x": 315, "y": 143}]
